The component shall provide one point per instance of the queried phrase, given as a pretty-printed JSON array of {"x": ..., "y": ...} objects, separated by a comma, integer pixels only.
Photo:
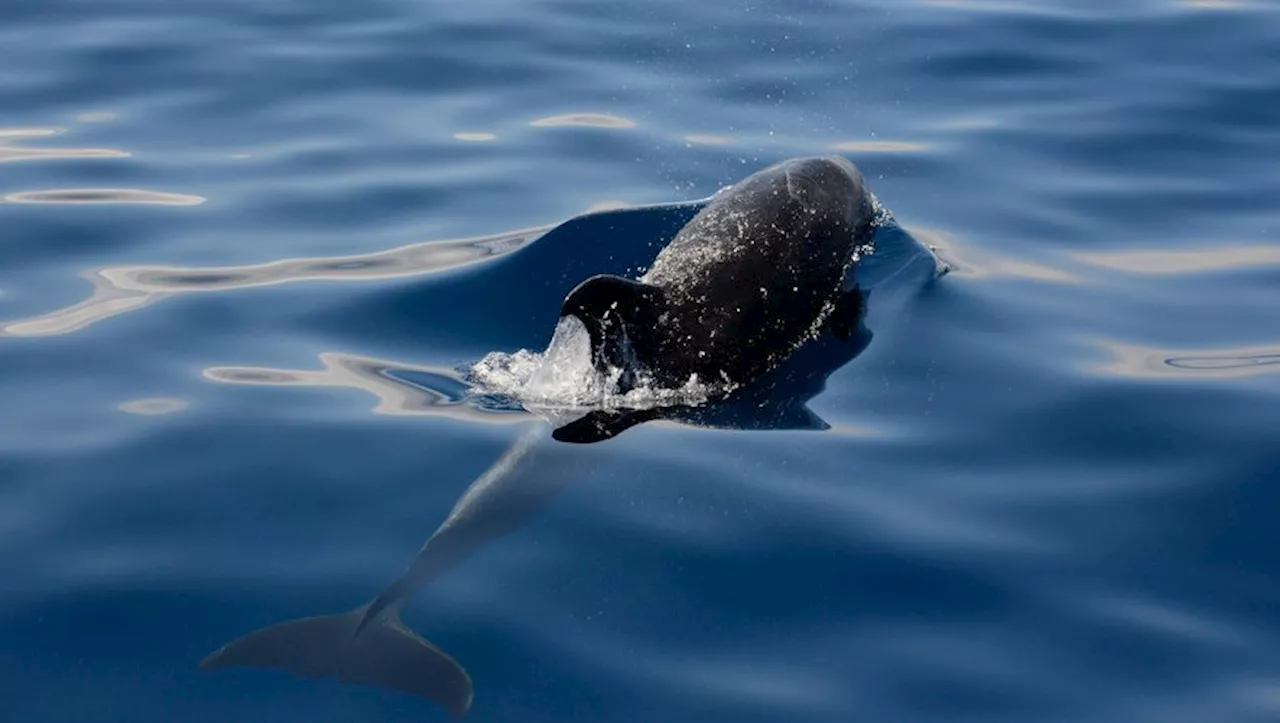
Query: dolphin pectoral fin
[
  {"x": 844, "y": 319},
  {"x": 383, "y": 654},
  {"x": 599, "y": 425}
]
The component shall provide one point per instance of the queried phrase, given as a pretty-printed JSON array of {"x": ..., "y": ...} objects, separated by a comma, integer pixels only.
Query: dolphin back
[{"x": 384, "y": 654}]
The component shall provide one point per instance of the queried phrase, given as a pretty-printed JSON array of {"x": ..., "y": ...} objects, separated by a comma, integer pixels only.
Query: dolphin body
[{"x": 769, "y": 260}]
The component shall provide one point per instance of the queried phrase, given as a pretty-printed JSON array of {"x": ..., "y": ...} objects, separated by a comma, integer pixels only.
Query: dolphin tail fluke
[{"x": 384, "y": 653}]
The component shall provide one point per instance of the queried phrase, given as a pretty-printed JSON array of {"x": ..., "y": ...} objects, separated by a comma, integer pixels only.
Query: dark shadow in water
[{"x": 370, "y": 645}]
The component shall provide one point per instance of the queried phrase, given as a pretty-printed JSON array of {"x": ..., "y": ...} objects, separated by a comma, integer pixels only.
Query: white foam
[{"x": 562, "y": 382}]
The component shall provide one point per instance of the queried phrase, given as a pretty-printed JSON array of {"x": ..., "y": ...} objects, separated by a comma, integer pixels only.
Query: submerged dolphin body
[
  {"x": 780, "y": 373},
  {"x": 370, "y": 645}
]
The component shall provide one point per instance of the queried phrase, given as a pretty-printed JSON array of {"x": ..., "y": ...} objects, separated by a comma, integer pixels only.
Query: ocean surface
[{"x": 249, "y": 249}]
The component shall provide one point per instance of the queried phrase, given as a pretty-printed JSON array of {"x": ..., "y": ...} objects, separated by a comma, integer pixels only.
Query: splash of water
[
  {"x": 561, "y": 382},
  {"x": 563, "y": 374}
]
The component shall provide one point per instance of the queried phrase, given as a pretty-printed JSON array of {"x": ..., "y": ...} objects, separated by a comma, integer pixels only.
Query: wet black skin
[{"x": 748, "y": 279}]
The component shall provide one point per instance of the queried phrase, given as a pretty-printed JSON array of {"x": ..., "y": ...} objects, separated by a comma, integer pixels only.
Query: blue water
[{"x": 1046, "y": 490}]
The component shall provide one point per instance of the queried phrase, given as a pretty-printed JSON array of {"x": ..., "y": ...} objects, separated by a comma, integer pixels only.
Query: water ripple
[
  {"x": 974, "y": 262},
  {"x": 705, "y": 139},
  {"x": 98, "y": 116},
  {"x": 401, "y": 389},
  {"x": 1182, "y": 261},
  {"x": 126, "y": 288},
  {"x": 880, "y": 146},
  {"x": 10, "y": 152},
  {"x": 153, "y": 406},
  {"x": 105, "y": 196},
  {"x": 1142, "y": 361},
  {"x": 593, "y": 120}
]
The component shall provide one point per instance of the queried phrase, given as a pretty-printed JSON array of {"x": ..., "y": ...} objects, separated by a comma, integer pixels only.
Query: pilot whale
[
  {"x": 755, "y": 273},
  {"x": 765, "y": 265}
]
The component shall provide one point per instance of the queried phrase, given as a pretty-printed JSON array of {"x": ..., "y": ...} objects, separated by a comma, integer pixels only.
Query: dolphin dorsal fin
[
  {"x": 614, "y": 309},
  {"x": 603, "y": 294}
]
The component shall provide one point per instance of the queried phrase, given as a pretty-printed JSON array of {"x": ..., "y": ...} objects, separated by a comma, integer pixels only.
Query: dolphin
[{"x": 765, "y": 266}]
